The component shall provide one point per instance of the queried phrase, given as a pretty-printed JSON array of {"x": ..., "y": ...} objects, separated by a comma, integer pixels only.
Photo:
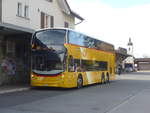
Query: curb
[{"x": 14, "y": 90}]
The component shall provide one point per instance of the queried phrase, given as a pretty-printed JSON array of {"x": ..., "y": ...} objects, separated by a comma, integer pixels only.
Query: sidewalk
[{"x": 13, "y": 88}]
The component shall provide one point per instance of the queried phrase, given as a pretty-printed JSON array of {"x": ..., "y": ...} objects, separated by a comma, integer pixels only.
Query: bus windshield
[{"x": 48, "y": 51}]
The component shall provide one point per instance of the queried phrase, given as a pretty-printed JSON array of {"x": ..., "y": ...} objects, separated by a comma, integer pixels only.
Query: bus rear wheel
[
  {"x": 102, "y": 79},
  {"x": 79, "y": 82},
  {"x": 107, "y": 78}
]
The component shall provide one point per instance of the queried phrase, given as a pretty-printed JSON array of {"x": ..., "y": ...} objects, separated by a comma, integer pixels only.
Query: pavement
[
  {"x": 138, "y": 103},
  {"x": 13, "y": 88},
  {"x": 130, "y": 92}
]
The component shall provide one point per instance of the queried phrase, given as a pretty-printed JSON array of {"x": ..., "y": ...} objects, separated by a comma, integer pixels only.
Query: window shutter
[{"x": 42, "y": 20}]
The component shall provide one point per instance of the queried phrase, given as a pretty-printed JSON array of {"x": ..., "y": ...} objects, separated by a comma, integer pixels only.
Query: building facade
[
  {"x": 129, "y": 61},
  {"x": 35, "y": 14},
  {"x": 18, "y": 20},
  {"x": 121, "y": 55},
  {"x": 142, "y": 63}
]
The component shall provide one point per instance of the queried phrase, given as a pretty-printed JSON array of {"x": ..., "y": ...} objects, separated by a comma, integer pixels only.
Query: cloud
[{"x": 116, "y": 25}]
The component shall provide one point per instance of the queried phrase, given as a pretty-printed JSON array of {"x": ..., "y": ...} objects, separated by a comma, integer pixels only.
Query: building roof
[
  {"x": 66, "y": 9},
  {"x": 121, "y": 53},
  {"x": 142, "y": 59}
]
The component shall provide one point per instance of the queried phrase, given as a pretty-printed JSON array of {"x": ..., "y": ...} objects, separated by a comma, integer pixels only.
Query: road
[{"x": 129, "y": 93}]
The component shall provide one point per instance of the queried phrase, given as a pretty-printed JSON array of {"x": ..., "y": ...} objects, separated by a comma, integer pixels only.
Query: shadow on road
[{"x": 68, "y": 89}]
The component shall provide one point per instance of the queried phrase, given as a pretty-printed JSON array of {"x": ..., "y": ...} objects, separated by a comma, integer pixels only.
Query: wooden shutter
[{"x": 42, "y": 20}]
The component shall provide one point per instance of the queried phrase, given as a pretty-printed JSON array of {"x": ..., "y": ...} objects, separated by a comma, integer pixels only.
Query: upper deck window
[{"x": 86, "y": 41}]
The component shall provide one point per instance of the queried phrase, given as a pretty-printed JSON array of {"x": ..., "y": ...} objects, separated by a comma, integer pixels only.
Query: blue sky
[
  {"x": 124, "y": 3},
  {"x": 116, "y": 3},
  {"x": 114, "y": 21}
]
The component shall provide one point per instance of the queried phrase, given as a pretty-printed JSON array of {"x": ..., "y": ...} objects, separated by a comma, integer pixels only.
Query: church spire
[{"x": 130, "y": 43}]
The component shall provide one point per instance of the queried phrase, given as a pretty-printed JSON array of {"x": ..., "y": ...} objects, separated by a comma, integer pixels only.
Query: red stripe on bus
[{"x": 48, "y": 75}]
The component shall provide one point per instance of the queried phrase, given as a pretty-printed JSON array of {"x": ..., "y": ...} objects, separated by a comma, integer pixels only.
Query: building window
[
  {"x": 19, "y": 11},
  {"x": 46, "y": 20},
  {"x": 66, "y": 25},
  {"x": 26, "y": 11},
  {"x": 10, "y": 47},
  {"x": 52, "y": 21},
  {"x": 49, "y": 0}
]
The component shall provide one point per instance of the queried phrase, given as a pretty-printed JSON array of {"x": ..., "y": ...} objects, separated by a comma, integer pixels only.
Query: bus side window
[{"x": 71, "y": 64}]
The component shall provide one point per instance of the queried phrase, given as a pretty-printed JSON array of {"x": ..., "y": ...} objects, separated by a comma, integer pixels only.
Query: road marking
[{"x": 13, "y": 90}]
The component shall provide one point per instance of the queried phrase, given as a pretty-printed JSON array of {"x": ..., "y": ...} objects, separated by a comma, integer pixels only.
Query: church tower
[
  {"x": 129, "y": 61},
  {"x": 130, "y": 47}
]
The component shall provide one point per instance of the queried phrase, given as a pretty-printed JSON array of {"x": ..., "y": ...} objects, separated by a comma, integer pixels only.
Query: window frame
[
  {"x": 19, "y": 9},
  {"x": 51, "y": 21},
  {"x": 66, "y": 24},
  {"x": 26, "y": 11},
  {"x": 49, "y": 0},
  {"x": 47, "y": 20}
]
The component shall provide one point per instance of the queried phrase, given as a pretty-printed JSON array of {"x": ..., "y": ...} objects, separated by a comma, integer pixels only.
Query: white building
[
  {"x": 20, "y": 18},
  {"x": 35, "y": 14},
  {"x": 129, "y": 61}
]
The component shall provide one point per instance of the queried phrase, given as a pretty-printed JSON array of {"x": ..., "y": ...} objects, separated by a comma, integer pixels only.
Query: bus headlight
[
  {"x": 62, "y": 76},
  {"x": 32, "y": 76}
]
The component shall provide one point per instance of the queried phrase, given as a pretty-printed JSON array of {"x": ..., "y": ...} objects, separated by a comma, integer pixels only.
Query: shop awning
[{"x": 7, "y": 29}]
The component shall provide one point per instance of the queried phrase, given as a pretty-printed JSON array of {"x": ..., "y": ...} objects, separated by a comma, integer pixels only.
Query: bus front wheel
[{"x": 79, "y": 82}]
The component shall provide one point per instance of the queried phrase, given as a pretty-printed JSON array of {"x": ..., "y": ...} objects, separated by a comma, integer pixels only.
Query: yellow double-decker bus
[{"x": 66, "y": 58}]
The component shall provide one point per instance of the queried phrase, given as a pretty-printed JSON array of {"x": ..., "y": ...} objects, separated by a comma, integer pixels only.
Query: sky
[{"x": 114, "y": 21}]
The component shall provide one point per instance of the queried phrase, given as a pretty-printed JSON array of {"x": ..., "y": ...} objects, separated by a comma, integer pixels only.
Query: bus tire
[
  {"x": 103, "y": 79},
  {"x": 107, "y": 78},
  {"x": 79, "y": 82}
]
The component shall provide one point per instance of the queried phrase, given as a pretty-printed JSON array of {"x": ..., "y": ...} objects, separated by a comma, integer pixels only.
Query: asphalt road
[{"x": 129, "y": 93}]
